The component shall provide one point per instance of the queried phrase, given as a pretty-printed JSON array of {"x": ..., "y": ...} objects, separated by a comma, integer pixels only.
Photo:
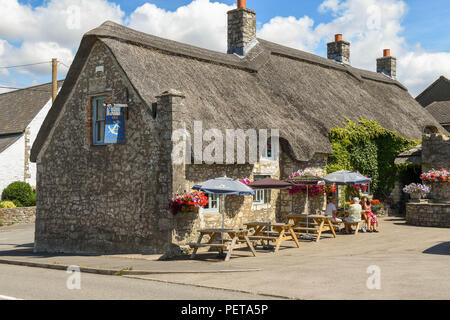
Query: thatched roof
[
  {"x": 440, "y": 110},
  {"x": 413, "y": 155},
  {"x": 18, "y": 108},
  {"x": 301, "y": 94}
]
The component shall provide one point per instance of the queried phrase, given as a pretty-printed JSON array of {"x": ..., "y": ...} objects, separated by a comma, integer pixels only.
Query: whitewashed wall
[{"x": 12, "y": 158}]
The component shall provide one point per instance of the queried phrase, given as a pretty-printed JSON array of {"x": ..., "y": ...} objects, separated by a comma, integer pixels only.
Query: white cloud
[
  {"x": 54, "y": 30},
  {"x": 291, "y": 32},
  {"x": 201, "y": 23}
]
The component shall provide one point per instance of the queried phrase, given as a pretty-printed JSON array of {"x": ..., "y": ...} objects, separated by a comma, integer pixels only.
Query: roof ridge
[
  {"x": 31, "y": 87},
  {"x": 181, "y": 48},
  {"x": 432, "y": 85}
]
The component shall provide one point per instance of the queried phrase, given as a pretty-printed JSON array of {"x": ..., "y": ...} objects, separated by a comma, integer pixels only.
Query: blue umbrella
[
  {"x": 225, "y": 186},
  {"x": 345, "y": 178}
]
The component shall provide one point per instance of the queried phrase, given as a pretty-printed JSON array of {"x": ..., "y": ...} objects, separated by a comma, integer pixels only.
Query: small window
[
  {"x": 213, "y": 204},
  {"x": 154, "y": 110},
  {"x": 261, "y": 196},
  {"x": 98, "y": 120},
  {"x": 268, "y": 151}
]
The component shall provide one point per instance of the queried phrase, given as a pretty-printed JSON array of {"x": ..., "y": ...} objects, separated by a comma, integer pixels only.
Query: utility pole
[{"x": 54, "y": 79}]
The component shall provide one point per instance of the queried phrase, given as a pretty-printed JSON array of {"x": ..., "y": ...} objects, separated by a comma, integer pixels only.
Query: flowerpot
[{"x": 415, "y": 196}]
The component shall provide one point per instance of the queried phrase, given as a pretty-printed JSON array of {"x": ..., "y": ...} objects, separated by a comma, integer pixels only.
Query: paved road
[{"x": 18, "y": 282}]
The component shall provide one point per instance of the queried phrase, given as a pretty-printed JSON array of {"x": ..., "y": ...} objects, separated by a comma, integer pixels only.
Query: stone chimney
[
  {"x": 339, "y": 50},
  {"x": 387, "y": 64},
  {"x": 241, "y": 28}
]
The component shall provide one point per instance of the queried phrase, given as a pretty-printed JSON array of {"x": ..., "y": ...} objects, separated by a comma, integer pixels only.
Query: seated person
[
  {"x": 331, "y": 211},
  {"x": 371, "y": 219},
  {"x": 353, "y": 215}
]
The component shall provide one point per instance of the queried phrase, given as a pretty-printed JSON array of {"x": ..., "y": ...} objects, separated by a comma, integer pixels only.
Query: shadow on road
[{"x": 443, "y": 249}]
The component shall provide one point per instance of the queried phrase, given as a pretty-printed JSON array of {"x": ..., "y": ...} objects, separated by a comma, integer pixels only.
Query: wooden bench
[
  {"x": 280, "y": 232},
  {"x": 357, "y": 224},
  {"x": 236, "y": 236},
  {"x": 318, "y": 224}
]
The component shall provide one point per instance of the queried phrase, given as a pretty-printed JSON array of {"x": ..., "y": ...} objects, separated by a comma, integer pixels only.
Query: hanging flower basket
[{"x": 188, "y": 202}]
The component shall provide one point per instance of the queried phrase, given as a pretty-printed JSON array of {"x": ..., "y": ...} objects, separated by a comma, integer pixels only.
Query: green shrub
[
  {"x": 20, "y": 193},
  {"x": 369, "y": 148},
  {"x": 7, "y": 204},
  {"x": 17, "y": 203}
]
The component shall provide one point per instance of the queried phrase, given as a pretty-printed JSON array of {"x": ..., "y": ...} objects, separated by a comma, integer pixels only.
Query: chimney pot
[
  {"x": 339, "y": 50},
  {"x": 387, "y": 64},
  {"x": 242, "y": 4}
]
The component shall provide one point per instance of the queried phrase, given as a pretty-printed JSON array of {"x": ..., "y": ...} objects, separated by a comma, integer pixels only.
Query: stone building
[
  {"x": 22, "y": 113},
  {"x": 436, "y": 100},
  {"x": 440, "y": 110},
  {"x": 437, "y": 91},
  {"x": 97, "y": 197}
]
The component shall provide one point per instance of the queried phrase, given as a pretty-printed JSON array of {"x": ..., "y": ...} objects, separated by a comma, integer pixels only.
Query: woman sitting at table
[
  {"x": 371, "y": 219},
  {"x": 353, "y": 215}
]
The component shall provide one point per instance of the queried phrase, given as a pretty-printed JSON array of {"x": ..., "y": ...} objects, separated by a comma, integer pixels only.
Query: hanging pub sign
[{"x": 115, "y": 124}]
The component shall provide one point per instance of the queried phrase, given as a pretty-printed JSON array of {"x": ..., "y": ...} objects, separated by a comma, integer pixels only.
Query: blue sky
[
  {"x": 418, "y": 31},
  {"x": 427, "y": 22}
]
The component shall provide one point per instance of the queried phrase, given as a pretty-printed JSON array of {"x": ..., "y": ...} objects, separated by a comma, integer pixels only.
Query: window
[
  {"x": 268, "y": 151},
  {"x": 213, "y": 204},
  {"x": 261, "y": 196},
  {"x": 98, "y": 120}
]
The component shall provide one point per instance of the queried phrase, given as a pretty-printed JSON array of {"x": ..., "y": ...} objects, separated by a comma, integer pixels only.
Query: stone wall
[
  {"x": 436, "y": 151},
  {"x": 11, "y": 216},
  {"x": 428, "y": 214},
  {"x": 99, "y": 199}
]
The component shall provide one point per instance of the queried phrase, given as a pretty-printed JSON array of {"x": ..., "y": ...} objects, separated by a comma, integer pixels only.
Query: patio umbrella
[
  {"x": 346, "y": 178},
  {"x": 225, "y": 186},
  {"x": 269, "y": 184}
]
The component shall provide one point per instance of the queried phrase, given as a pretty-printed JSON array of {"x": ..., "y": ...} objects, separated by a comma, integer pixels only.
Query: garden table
[
  {"x": 320, "y": 224},
  {"x": 281, "y": 232},
  {"x": 236, "y": 237}
]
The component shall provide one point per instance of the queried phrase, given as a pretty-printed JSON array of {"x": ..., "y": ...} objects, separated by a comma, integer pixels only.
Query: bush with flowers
[
  {"x": 246, "y": 181},
  {"x": 416, "y": 188},
  {"x": 436, "y": 176},
  {"x": 188, "y": 202}
]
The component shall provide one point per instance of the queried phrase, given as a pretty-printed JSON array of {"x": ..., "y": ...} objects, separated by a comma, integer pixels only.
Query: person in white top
[{"x": 331, "y": 211}]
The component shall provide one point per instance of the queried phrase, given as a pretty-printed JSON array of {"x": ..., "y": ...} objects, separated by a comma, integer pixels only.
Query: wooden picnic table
[
  {"x": 279, "y": 233},
  {"x": 222, "y": 244},
  {"x": 319, "y": 224}
]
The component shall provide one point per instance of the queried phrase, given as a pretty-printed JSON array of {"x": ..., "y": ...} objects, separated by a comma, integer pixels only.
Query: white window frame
[
  {"x": 262, "y": 196},
  {"x": 212, "y": 198}
]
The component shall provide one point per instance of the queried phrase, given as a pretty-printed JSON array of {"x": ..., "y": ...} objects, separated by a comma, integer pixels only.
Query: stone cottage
[
  {"x": 22, "y": 113},
  {"x": 99, "y": 197}
]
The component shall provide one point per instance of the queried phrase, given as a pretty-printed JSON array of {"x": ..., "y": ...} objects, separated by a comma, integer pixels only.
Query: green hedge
[
  {"x": 20, "y": 193},
  {"x": 369, "y": 148}
]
